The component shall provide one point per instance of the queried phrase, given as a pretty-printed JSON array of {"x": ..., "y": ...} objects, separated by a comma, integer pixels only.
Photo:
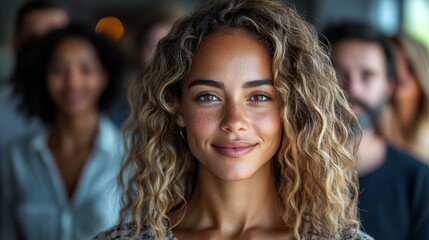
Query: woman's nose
[
  {"x": 73, "y": 78},
  {"x": 235, "y": 118}
]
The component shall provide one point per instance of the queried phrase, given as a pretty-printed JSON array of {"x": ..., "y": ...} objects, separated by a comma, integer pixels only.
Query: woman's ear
[{"x": 180, "y": 120}]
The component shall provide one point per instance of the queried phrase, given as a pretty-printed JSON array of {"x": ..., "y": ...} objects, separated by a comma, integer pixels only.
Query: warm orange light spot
[{"x": 111, "y": 26}]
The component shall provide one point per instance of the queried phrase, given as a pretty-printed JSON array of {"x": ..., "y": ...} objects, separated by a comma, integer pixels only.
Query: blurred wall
[
  {"x": 89, "y": 11},
  {"x": 7, "y": 14},
  {"x": 386, "y": 14}
]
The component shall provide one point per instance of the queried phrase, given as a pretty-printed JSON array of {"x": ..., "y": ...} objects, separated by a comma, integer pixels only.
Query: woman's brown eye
[
  {"x": 207, "y": 98},
  {"x": 260, "y": 98}
]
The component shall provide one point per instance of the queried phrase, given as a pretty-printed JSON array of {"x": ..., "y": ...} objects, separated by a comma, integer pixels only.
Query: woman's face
[
  {"x": 230, "y": 107},
  {"x": 75, "y": 78},
  {"x": 408, "y": 93}
]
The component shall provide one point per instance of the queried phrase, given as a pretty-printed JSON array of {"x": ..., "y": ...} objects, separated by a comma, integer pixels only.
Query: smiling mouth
[
  {"x": 234, "y": 150},
  {"x": 73, "y": 97}
]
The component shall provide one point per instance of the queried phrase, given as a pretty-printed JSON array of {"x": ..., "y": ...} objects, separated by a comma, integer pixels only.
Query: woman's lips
[
  {"x": 73, "y": 97},
  {"x": 234, "y": 149}
]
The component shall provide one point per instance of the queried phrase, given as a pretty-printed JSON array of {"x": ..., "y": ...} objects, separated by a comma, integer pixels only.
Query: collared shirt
[
  {"x": 34, "y": 203},
  {"x": 13, "y": 123}
]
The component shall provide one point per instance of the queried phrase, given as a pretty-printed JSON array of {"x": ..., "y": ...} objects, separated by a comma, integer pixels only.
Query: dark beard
[{"x": 368, "y": 118}]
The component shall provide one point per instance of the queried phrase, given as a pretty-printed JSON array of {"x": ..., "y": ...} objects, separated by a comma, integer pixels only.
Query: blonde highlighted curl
[{"x": 314, "y": 166}]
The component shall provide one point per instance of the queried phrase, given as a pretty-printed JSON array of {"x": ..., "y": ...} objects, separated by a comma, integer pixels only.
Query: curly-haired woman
[{"x": 239, "y": 130}]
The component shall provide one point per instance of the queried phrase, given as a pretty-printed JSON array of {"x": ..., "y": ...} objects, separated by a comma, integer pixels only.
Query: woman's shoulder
[
  {"x": 25, "y": 147},
  {"x": 359, "y": 236},
  {"x": 109, "y": 139},
  {"x": 352, "y": 234},
  {"x": 126, "y": 231}
]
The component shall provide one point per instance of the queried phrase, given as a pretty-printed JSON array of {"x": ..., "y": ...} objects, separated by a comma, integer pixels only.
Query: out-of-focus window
[
  {"x": 416, "y": 19},
  {"x": 385, "y": 14}
]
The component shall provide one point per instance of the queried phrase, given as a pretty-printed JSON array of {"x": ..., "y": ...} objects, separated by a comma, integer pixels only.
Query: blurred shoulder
[
  {"x": 351, "y": 234},
  {"x": 109, "y": 138},
  {"x": 25, "y": 145},
  {"x": 126, "y": 231},
  {"x": 359, "y": 236},
  {"x": 405, "y": 164}
]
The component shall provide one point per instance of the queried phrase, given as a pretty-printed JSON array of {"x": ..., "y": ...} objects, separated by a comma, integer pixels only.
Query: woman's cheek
[
  {"x": 267, "y": 121},
  {"x": 201, "y": 122}
]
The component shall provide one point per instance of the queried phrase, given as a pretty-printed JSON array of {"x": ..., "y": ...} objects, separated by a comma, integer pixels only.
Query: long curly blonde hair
[{"x": 314, "y": 166}]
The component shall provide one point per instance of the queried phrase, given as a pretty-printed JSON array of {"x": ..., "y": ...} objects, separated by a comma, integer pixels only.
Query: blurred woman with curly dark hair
[{"x": 60, "y": 182}]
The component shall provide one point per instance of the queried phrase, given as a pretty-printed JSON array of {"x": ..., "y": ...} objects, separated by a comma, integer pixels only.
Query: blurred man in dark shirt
[{"x": 394, "y": 186}]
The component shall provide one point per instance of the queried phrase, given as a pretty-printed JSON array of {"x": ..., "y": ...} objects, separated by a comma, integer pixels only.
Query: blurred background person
[
  {"x": 60, "y": 182},
  {"x": 34, "y": 18},
  {"x": 405, "y": 121},
  {"x": 154, "y": 26},
  {"x": 152, "y": 29},
  {"x": 394, "y": 186}
]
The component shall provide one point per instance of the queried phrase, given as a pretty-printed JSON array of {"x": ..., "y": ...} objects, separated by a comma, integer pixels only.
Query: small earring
[{"x": 181, "y": 134}]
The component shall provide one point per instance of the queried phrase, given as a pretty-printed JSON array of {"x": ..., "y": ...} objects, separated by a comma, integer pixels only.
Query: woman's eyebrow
[
  {"x": 257, "y": 83},
  {"x": 206, "y": 82},
  {"x": 216, "y": 84}
]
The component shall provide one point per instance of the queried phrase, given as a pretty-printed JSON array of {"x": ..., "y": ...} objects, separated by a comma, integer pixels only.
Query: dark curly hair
[{"x": 29, "y": 76}]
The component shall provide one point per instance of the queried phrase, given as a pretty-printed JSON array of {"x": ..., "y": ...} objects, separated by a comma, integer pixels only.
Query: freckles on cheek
[
  {"x": 199, "y": 121},
  {"x": 269, "y": 122}
]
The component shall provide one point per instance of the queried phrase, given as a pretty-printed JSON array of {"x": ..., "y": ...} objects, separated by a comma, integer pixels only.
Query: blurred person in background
[
  {"x": 153, "y": 27},
  {"x": 394, "y": 186},
  {"x": 405, "y": 121},
  {"x": 59, "y": 183},
  {"x": 34, "y": 18}
]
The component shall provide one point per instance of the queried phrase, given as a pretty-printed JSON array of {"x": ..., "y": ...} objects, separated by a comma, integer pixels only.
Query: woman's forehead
[{"x": 231, "y": 54}]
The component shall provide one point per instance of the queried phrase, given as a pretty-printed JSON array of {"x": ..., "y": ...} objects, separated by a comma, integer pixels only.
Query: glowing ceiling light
[{"x": 110, "y": 26}]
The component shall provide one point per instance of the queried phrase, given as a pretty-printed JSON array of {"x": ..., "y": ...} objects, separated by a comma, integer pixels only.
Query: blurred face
[
  {"x": 75, "y": 78},
  {"x": 155, "y": 34},
  {"x": 230, "y": 108},
  {"x": 39, "y": 22},
  {"x": 407, "y": 95},
  {"x": 361, "y": 70}
]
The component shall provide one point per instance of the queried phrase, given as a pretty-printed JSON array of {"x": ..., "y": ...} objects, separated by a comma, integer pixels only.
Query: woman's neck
[
  {"x": 74, "y": 133},
  {"x": 233, "y": 207}
]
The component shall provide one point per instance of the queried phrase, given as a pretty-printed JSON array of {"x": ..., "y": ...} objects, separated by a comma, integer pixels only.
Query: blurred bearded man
[{"x": 394, "y": 186}]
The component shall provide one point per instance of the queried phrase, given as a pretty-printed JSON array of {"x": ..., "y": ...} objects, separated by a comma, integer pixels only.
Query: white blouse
[{"x": 34, "y": 203}]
